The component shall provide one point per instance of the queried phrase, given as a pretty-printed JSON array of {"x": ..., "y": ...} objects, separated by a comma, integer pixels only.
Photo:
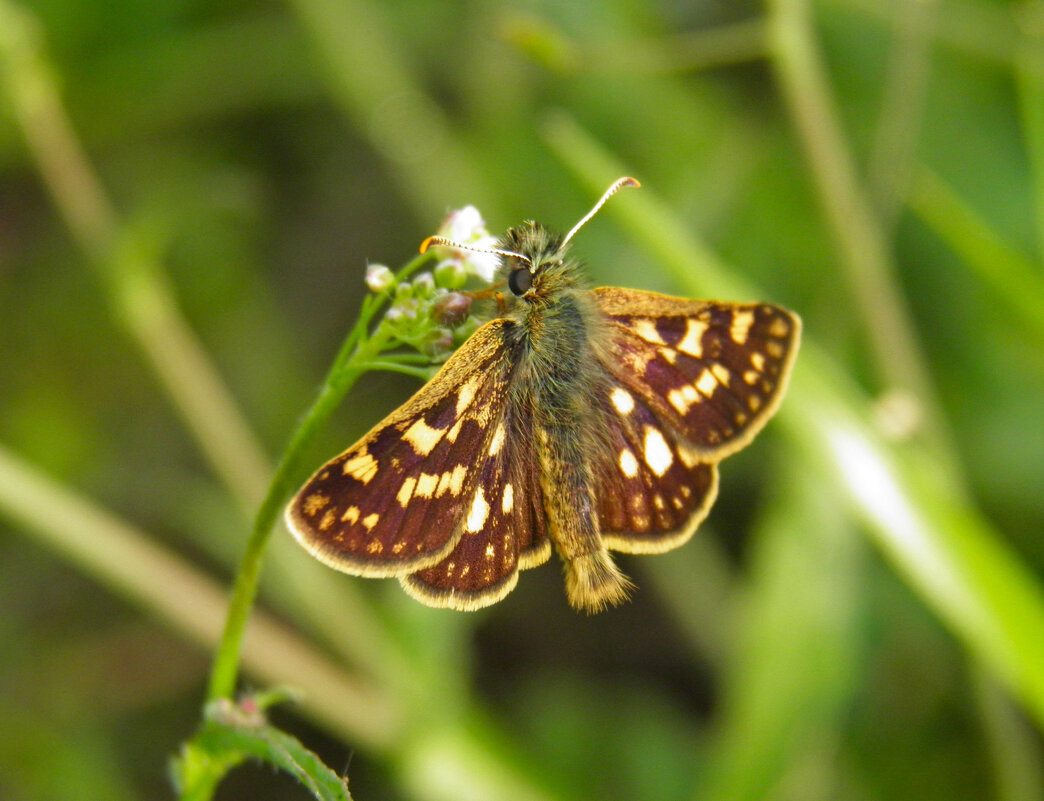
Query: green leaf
[{"x": 234, "y": 732}]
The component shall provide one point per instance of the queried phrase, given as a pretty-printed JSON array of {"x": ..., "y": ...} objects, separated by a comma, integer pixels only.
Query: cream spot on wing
[
  {"x": 422, "y": 437},
  {"x": 328, "y": 520},
  {"x": 689, "y": 458},
  {"x": 646, "y": 329},
  {"x": 406, "y": 491},
  {"x": 686, "y": 490},
  {"x": 426, "y": 485},
  {"x": 351, "y": 514},
  {"x": 779, "y": 328},
  {"x": 490, "y": 552},
  {"x": 451, "y": 435},
  {"x": 498, "y": 440},
  {"x": 444, "y": 483},
  {"x": 362, "y": 467},
  {"x": 374, "y": 547},
  {"x": 669, "y": 354},
  {"x": 658, "y": 501},
  {"x": 774, "y": 349},
  {"x": 467, "y": 394},
  {"x": 622, "y": 400},
  {"x": 397, "y": 547},
  {"x": 750, "y": 377},
  {"x": 754, "y": 403},
  {"x": 640, "y": 522},
  {"x": 757, "y": 359},
  {"x": 706, "y": 383},
  {"x": 721, "y": 372},
  {"x": 741, "y": 323},
  {"x": 508, "y": 501},
  {"x": 457, "y": 479},
  {"x": 314, "y": 503},
  {"x": 692, "y": 342},
  {"x": 657, "y": 454},
  {"x": 370, "y": 521},
  {"x": 478, "y": 513},
  {"x": 683, "y": 399},
  {"x": 628, "y": 464}
]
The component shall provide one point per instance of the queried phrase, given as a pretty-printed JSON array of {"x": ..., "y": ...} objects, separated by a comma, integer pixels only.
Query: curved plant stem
[
  {"x": 342, "y": 377},
  {"x": 356, "y": 356}
]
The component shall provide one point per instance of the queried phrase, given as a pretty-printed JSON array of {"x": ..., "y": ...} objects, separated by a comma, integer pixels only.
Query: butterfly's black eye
[{"x": 519, "y": 281}]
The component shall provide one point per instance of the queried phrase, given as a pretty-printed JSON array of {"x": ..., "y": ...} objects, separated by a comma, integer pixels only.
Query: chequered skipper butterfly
[{"x": 593, "y": 420}]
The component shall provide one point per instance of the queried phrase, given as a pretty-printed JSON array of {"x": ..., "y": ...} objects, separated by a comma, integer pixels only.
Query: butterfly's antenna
[
  {"x": 433, "y": 241},
  {"x": 612, "y": 190}
]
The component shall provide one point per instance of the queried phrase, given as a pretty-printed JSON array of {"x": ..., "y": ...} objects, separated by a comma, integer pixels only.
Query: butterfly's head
[{"x": 533, "y": 259}]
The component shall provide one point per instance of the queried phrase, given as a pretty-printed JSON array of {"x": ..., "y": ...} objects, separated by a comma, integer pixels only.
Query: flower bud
[
  {"x": 379, "y": 278},
  {"x": 451, "y": 309},
  {"x": 423, "y": 285},
  {"x": 450, "y": 273}
]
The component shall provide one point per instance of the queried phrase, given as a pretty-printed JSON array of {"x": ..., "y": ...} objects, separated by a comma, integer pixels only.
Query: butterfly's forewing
[
  {"x": 396, "y": 501},
  {"x": 713, "y": 372},
  {"x": 504, "y": 527}
]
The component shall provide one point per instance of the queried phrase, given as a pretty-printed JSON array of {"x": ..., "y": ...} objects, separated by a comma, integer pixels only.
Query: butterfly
[{"x": 580, "y": 420}]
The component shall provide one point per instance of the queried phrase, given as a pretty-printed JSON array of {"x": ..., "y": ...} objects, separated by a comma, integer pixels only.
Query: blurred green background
[{"x": 189, "y": 195}]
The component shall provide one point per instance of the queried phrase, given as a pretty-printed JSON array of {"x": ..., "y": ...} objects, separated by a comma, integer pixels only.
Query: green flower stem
[
  {"x": 355, "y": 358},
  {"x": 423, "y": 373}
]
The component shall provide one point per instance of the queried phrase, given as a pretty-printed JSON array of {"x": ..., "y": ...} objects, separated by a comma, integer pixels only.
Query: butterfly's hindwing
[
  {"x": 653, "y": 490},
  {"x": 715, "y": 372},
  {"x": 504, "y": 529},
  {"x": 395, "y": 502}
]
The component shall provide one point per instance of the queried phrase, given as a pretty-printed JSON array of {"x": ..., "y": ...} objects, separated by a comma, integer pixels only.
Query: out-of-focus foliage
[{"x": 162, "y": 329}]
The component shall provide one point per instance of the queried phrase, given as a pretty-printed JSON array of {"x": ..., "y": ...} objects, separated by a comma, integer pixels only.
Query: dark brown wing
[
  {"x": 652, "y": 489},
  {"x": 395, "y": 502},
  {"x": 713, "y": 372},
  {"x": 692, "y": 382},
  {"x": 504, "y": 529}
]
